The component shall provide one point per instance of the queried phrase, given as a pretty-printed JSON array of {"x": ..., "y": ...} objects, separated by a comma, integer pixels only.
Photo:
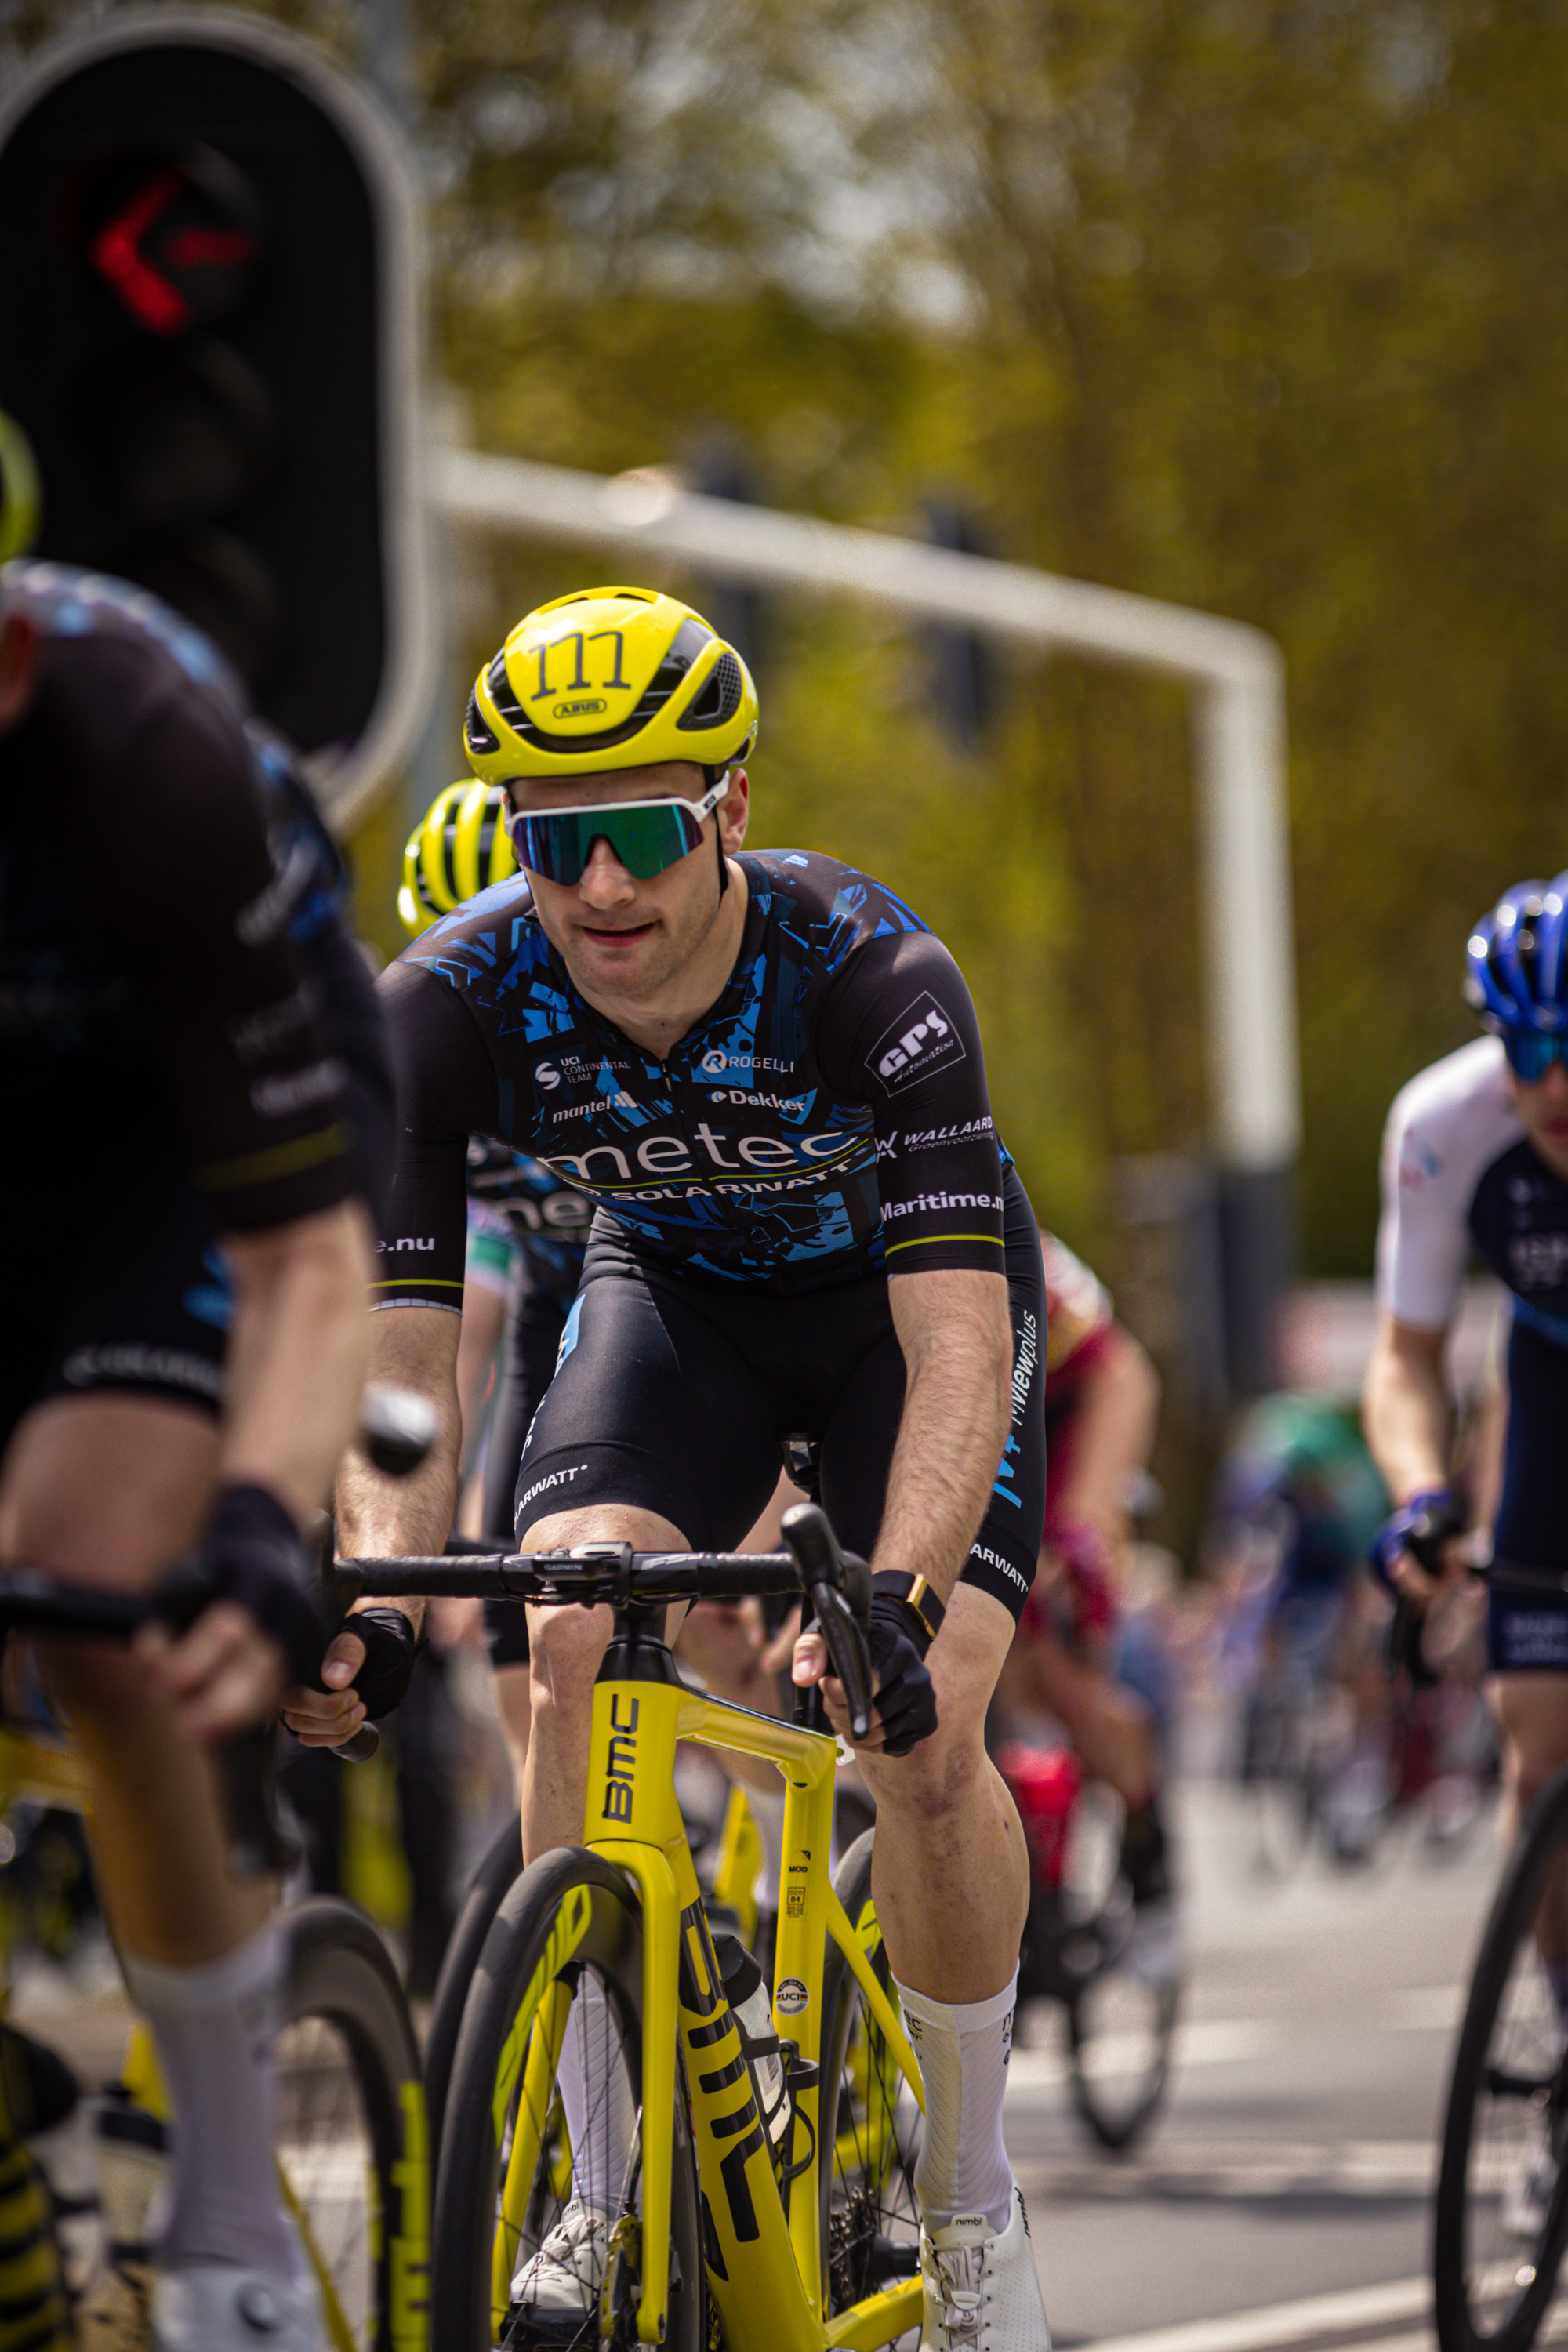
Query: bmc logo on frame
[{"x": 922, "y": 1039}]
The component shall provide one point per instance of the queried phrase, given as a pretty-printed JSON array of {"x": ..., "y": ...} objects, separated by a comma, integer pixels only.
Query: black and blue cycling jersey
[{"x": 827, "y": 1118}]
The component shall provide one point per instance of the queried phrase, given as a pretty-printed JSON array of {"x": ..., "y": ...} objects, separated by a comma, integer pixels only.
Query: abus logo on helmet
[
  {"x": 583, "y": 709},
  {"x": 920, "y": 1040}
]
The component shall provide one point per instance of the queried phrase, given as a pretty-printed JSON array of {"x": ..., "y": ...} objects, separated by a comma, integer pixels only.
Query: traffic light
[
  {"x": 205, "y": 286},
  {"x": 962, "y": 684}
]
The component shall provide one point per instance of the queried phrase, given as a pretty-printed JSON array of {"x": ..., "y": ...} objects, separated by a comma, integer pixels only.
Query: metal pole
[{"x": 1238, "y": 740}]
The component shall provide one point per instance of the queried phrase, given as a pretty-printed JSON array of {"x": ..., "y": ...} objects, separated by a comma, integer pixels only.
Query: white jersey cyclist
[{"x": 1476, "y": 1166}]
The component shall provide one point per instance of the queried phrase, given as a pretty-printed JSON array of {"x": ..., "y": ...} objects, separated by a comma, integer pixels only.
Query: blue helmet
[{"x": 1517, "y": 960}]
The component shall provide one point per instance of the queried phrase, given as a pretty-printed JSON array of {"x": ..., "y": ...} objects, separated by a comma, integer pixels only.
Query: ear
[
  {"x": 18, "y": 665},
  {"x": 732, "y": 812}
]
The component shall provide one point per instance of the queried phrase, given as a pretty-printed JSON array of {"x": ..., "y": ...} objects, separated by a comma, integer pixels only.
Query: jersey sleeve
[
  {"x": 186, "y": 889},
  {"x": 446, "y": 1092},
  {"x": 1423, "y": 1237},
  {"x": 899, "y": 1033}
]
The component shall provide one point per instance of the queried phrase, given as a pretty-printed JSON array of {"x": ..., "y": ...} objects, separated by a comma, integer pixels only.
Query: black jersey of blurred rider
[{"x": 168, "y": 900}]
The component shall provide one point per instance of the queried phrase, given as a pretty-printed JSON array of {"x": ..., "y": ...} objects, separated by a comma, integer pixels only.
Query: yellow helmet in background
[
  {"x": 459, "y": 846},
  {"x": 609, "y": 677}
]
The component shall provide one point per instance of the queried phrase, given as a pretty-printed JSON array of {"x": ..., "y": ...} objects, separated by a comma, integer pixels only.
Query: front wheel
[
  {"x": 349, "y": 2131},
  {"x": 562, "y": 1959},
  {"x": 870, "y": 2123},
  {"x": 1501, "y": 2217}
]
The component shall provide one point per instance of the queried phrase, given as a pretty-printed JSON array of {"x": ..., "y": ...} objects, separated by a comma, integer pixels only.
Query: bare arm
[
  {"x": 416, "y": 1347},
  {"x": 295, "y": 1369},
  {"x": 297, "y": 1354},
  {"x": 484, "y": 1320},
  {"x": 1405, "y": 1408},
  {"x": 1119, "y": 1403},
  {"x": 957, "y": 1337}
]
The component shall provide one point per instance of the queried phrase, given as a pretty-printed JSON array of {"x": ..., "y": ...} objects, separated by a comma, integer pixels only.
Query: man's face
[
  {"x": 1542, "y": 1107},
  {"x": 618, "y": 936}
]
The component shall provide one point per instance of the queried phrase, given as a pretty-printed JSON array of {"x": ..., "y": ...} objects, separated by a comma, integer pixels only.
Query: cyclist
[
  {"x": 1101, "y": 1398},
  {"x": 1476, "y": 1163},
  {"x": 1298, "y": 1500},
  {"x": 460, "y": 846},
  {"x": 185, "y": 1329},
  {"x": 766, "y": 1073}
]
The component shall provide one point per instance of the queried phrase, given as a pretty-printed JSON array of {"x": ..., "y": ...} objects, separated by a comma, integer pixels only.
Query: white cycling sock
[
  {"x": 214, "y": 2027},
  {"x": 767, "y": 1811},
  {"x": 963, "y": 2048},
  {"x": 598, "y": 2097}
]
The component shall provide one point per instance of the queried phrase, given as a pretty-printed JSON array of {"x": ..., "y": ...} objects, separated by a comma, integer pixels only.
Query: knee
[
  {"x": 566, "y": 1649},
  {"x": 935, "y": 1781}
]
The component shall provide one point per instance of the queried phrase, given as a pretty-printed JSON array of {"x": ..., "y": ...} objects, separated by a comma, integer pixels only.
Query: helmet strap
[{"x": 713, "y": 776}]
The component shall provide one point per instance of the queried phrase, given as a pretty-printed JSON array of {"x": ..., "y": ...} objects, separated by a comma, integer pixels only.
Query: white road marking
[{"x": 1288, "y": 2323}]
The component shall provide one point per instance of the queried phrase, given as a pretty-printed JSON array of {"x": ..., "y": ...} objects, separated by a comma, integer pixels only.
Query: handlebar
[
  {"x": 31, "y": 1603},
  {"x": 836, "y": 1584}
]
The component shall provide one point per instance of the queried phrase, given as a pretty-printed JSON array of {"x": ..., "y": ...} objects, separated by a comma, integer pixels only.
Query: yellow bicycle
[
  {"x": 746, "y": 2214},
  {"x": 350, "y": 2134}
]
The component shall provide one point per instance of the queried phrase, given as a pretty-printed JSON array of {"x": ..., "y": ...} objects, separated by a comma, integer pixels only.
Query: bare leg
[
  {"x": 950, "y": 1874},
  {"x": 566, "y": 1647},
  {"x": 1108, "y": 1727},
  {"x": 107, "y": 1491}
]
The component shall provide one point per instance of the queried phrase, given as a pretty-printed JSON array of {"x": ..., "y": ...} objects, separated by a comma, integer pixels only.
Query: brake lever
[
  {"x": 846, "y": 1651},
  {"x": 840, "y": 1589}
]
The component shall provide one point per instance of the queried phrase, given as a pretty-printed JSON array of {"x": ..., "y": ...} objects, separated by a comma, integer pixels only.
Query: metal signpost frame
[{"x": 1238, "y": 751}]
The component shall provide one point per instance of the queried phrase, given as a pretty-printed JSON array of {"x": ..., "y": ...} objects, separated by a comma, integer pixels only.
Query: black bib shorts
[{"x": 674, "y": 1395}]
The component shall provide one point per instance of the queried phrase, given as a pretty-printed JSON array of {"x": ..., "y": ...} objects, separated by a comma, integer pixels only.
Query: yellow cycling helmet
[
  {"x": 610, "y": 677},
  {"x": 460, "y": 846}
]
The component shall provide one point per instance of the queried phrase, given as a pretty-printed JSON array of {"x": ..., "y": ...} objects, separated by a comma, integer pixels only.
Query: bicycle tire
[
  {"x": 569, "y": 1912},
  {"x": 500, "y": 1867},
  {"x": 349, "y": 2128},
  {"x": 1120, "y": 2029},
  {"x": 1519, "y": 2075},
  {"x": 869, "y": 2123}
]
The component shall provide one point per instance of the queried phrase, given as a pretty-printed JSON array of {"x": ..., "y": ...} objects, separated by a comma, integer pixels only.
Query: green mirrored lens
[{"x": 645, "y": 838}]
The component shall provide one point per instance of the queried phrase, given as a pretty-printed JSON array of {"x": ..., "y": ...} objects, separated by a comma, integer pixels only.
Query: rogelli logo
[{"x": 567, "y": 1931}]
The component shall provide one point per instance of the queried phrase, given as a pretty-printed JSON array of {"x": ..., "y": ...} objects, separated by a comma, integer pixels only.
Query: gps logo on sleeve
[{"x": 922, "y": 1039}]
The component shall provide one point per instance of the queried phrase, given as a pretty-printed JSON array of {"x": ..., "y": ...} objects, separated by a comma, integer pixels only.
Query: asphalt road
[{"x": 1285, "y": 2189}]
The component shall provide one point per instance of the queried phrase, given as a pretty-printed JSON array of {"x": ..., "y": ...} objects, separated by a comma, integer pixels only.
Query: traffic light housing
[
  {"x": 963, "y": 678},
  {"x": 207, "y": 285}
]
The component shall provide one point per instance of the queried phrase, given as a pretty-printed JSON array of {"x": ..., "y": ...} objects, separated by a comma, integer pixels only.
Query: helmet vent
[
  {"x": 476, "y": 734},
  {"x": 720, "y": 696}
]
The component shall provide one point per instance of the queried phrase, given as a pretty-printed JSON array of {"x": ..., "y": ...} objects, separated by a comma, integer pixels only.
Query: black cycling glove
[
  {"x": 901, "y": 1690},
  {"x": 254, "y": 1554},
  {"x": 391, "y": 1650}
]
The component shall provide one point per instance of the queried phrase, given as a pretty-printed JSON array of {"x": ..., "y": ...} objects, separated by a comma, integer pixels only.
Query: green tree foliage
[
  {"x": 1252, "y": 304},
  {"x": 1244, "y": 304}
]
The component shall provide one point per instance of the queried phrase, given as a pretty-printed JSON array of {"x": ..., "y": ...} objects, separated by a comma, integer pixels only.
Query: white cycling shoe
[
  {"x": 214, "y": 2307},
  {"x": 558, "y": 2287},
  {"x": 981, "y": 2294}
]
